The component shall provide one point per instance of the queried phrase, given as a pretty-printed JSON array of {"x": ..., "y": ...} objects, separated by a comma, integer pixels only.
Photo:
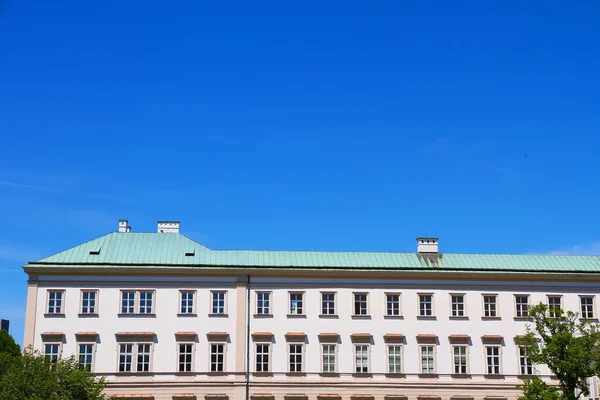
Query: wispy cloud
[
  {"x": 587, "y": 249},
  {"x": 56, "y": 190}
]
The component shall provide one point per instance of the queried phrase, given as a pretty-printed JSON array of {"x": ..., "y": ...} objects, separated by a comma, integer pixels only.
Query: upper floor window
[
  {"x": 185, "y": 357},
  {"x": 427, "y": 359},
  {"x": 217, "y": 357},
  {"x": 394, "y": 358},
  {"x": 587, "y": 307},
  {"x": 219, "y": 302},
  {"x": 361, "y": 358},
  {"x": 360, "y": 304},
  {"x": 187, "y": 302},
  {"x": 262, "y": 357},
  {"x": 328, "y": 303},
  {"x": 295, "y": 357},
  {"x": 55, "y": 301},
  {"x": 554, "y": 305},
  {"x": 490, "y": 305},
  {"x": 492, "y": 360},
  {"x": 140, "y": 352},
  {"x": 88, "y": 301},
  {"x": 458, "y": 305},
  {"x": 137, "y": 302},
  {"x": 52, "y": 351},
  {"x": 329, "y": 358},
  {"x": 263, "y": 303},
  {"x": 296, "y": 303},
  {"x": 425, "y": 305},
  {"x": 526, "y": 367},
  {"x": 392, "y": 304},
  {"x": 86, "y": 356},
  {"x": 522, "y": 306}
]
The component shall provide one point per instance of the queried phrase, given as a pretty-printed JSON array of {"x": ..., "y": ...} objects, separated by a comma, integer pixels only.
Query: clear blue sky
[{"x": 309, "y": 125}]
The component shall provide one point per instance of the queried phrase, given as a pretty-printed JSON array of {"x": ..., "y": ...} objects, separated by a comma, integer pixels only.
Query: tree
[
  {"x": 8, "y": 344},
  {"x": 568, "y": 346}
]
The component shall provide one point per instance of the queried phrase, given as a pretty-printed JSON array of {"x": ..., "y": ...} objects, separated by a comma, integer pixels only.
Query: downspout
[{"x": 248, "y": 338}]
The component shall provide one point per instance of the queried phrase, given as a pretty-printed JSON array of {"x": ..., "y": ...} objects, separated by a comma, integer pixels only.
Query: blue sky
[{"x": 298, "y": 125}]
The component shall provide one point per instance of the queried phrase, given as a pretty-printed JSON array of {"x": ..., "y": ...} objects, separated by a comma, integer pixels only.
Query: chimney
[
  {"x": 124, "y": 226},
  {"x": 168, "y": 226},
  {"x": 427, "y": 245}
]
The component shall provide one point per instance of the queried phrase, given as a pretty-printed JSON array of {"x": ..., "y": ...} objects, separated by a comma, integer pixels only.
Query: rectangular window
[
  {"x": 522, "y": 304},
  {"x": 554, "y": 305},
  {"x": 328, "y": 303},
  {"x": 295, "y": 357},
  {"x": 52, "y": 351},
  {"x": 86, "y": 356},
  {"x": 218, "y": 302},
  {"x": 88, "y": 301},
  {"x": 186, "y": 356},
  {"x": 187, "y": 302},
  {"x": 361, "y": 359},
  {"x": 394, "y": 359},
  {"x": 217, "y": 357},
  {"x": 393, "y": 304},
  {"x": 125, "y": 357},
  {"x": 427, "y": 359},
  {"x": 587, "y": 307},
  {"x": 524, "y": 363},
  {"x": 489, "y": 306},
  {"x": 329, "y": 356},
  {"x": 360, "y": 304},
  {"x": 296, "y": 303},
  {"x": 263, "y": 303},
  {"x": 425, "y": 305},
  {"x": 262, "y": 357},
  {"x": 143, "y": 357},
  {"x": 146, "y": 303},
  {"x": 458, "y": 305},
  {"x": 460, "y": 359},
  {"x": 55, "y": 301},
  {"x": 127, "y": 302},
  {"x": 492, "y": 361}
]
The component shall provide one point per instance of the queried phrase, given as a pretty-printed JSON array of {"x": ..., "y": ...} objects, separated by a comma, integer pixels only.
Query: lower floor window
[
  {"x": 460, "y": 359},
  {"x": 86, "y": 356},
  {"x": 186, "y": 353},
  {"x": 329, "y": 353},
  {"x": 262, "y": 357},
  {"x": 52, "y": 351},
  {"x": 427, "y": 359},
  {"x": 295, "y": 358},
  {"x": 493, "y": 359},
  {"x": 394, "y": 359},
  {"x": 361, "y": 358},
  {"x": 217, "y": 357},
  {"x": 525, "y": 363},
  {"x": 142, "y": 356}
]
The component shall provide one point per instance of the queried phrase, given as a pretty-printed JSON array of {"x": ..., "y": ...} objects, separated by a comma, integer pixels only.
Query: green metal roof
[{"x": 174, "y": 249}]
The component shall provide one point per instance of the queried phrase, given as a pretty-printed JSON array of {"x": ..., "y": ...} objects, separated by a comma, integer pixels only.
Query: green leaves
[{"x": 8, "y": 344}]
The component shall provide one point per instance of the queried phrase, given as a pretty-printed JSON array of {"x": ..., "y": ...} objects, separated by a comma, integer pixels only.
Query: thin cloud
[
  {"x": 53, "y": 190},
  {"x": 587, "y": 249}
]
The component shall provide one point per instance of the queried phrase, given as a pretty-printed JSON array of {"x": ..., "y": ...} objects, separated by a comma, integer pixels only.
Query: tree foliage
[
  {"x": 568, "y": 346},
  {"x": 8, "y": 344},
  {"x": 31, "y": 376}
]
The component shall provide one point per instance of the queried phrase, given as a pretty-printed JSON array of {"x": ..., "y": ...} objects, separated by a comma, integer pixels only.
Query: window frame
[
  {"x": 516, "y": 308},
  {"x": 434, "y": 356},
  {"x": 464, "y": 305},
  {"x": 354, "y": 302},
  {"x": 152, "y": 302},
  {"x": 485, "y": 354},
  {"x": 592, "y": 305},
  {"x": 270, "y": 300},
  {"x": 387, "y": 353},
  {"x": 519, "y": 357},
  {"x": 551, "y": 313},
  {"x": 302, "y": 304},
  {"x": 368, "y": 354},
  {"x": 210, "y": 354},
  {"x": 134, "y": 356},
  {"x": 419, "y": 315},
  {"x": 81, "y": 299},
  {"x": 495, "y": 304},
  {"x": 62, "y": 301},
  {"x": 94, "y": 348},
  {"x": 180, "y": 307},
  {"x": 269, "y": 355},
  {"x": 150, "y": 356},
  {"x": 137, "y": 302},
  {"x": 211, "y": 309},
  {"x": 334, "y": 294},
  {"x": 466, "y": 355},
  {"x": 386, "y": 310},
  {"x": 178, "y": 353},
  {"x": 302, "y": 357},
  {"x": 53, "y": 343},
  {"x": 335, "y": 360}
]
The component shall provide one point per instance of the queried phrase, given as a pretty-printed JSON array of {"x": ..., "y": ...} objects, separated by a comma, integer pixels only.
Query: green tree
[
  {"x": 8, "y": 344},
  {"x": 568, "y": 346}
]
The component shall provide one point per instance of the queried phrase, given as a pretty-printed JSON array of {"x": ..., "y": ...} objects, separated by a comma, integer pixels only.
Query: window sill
[
  {"x": 185, "y": 373},
  {"x": 296, "y": 373},
  {"x": 494, "y": 376},
  {"x": 461, "y": 376},
  {"x": 137, "y": 315},
  {"x": 459, "y": 317},
  {"x": 433, "y": 375},
  {"x": 526, "y": 376},
  {"x": 87, "y": 315},
  {"x": 491, "y": 318},
  {"x": 393, "y": 316},
  {"x": 360, "y": 316},
  {"x": 262, "y": 373},
  {"x": 263, "y": 315},
  {"x": 218, "y": 315},
  {"x": 187, "y": 315},
  {"x": 395, "y": 375},
  {"x": 362, "y": 374},
  {"x": 149, "y": 373},
  {"x": 55, "y": 315},
  {"x": 328, "y": 316},
  {"x": 588, "y": 319},
  {"x": 330, "y": 374},
  {"x": 296, "y": 315},
  {"x": 523, "y": 319},
  {"x": 432, "y": 317},
  {"x": 216, "y": 373}
]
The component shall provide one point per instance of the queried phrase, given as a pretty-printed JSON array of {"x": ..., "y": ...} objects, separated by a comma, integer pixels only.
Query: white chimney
[
  {"x": 168, "y": 226},
  {"x": 427, "y": 245},
  {"x": 124, "y": 226}
]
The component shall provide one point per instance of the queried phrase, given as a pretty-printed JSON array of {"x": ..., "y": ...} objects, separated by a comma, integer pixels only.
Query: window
[
  {"x": 86, "y": 356},
  {"x": 360, "y": 304},
  {"x": 460, "y": 359},
  {"x": 329, "y": 356},
  {"x": 328, "y": 303},
  {"x": 296, "y": 303},
  {"x": 262, "y": 357},
  {"x": 522, "y": 304},
  {"x": 524, "y": 362},
  {"x": 263, "y": 303},
  {"x": 146, "y": 302},
  {"x": 554, "y": 305},
  {"x": 427, "y": 359},
  {"x": 587, "y": 307},
  {"x": 186, "y": 356},
  {"x": 425, "y": 305},
  {"x": 218, "y": 302},
  {"x": 295, "y": 357},
  {"x": 187, "y": 302},
  {"x": 88, "y": 301},
  {"x": 394, "y": 359},
  {"x": 489, "y": 306},
  {"x": 52, "y": 351},
  {"x": 143, "y": 352},
  {"x": 393, "y": 304},
  {"x": 361, "y": 358},
  {"x": 55, "y": 301},
  {"x": 127, "y": 302},
  {"x": 492, "y": 361},
  {"x": 217, "y": 357},
  {"x": 458, "y": 305}
]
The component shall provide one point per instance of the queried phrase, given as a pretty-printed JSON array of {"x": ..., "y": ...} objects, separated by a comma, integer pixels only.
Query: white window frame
[
  {"x": 61, "y": 307},
  {"x": 82, "y": 310},
  {"x": 210, "y": 356},
  {"x": 524, "y": 365},
  {"x": 186, "y": 309},
  {"x": 454, "y": 313},
  {"x": 422, "y": 311},
  {"x": 148, "y": 310},
  {"x": 214, "y": 293},
  {"x": 335, "y": 358},
  {"x": 268, "y": 354},
  {"x": 192, "y": 362},
  {"x": 298, "y": 310},
  {"x": 322, "y": 308},
  {"x": 590, "y": 308},
  {"x": 367, "y": 355},
  {"x": 355, "y": 303},
  {"x": 399, "y": 368},
  {"x": 490, "y": 310},
  {"x": 433, "y": 356},
  {"x": 388, "y": 302},
  {"x": 487, "y": 365},
  {"x": 518, "y": 305},
  {"x": 295, "y": 354},
  {"x": 550, "y": 307},
  {"x": 134, "y": 356},
  {"x": 149, "y": 354},
  {"x": 137, "y": 302},
  {"x": 93, "y": 354},
  {"x": 466, "y": 358},
  {"x": 54, "y": 357},
  {"x": 269, "y": 306}
]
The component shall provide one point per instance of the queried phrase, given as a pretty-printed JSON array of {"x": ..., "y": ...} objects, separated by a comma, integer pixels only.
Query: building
[
  {"x": 4, "y": 325},
  {"x": 164, "y": 317}
]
